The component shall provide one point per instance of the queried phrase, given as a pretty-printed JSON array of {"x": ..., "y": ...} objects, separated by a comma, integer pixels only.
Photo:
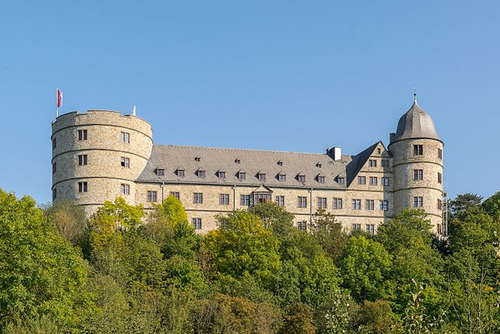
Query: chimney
[
  {"x": 391, "y": 137},
  {"x": 335, "y": 153}
]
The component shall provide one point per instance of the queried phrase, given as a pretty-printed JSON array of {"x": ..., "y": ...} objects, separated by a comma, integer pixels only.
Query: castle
[{"x": 100, "y": 155}]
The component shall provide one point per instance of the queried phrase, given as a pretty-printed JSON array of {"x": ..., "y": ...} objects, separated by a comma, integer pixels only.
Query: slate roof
[
  {"x": 252, "y": 162},
  {"x": 415, "y": 123}
]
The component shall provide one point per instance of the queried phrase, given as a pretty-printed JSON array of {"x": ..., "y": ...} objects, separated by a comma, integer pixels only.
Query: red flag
[{"x": 59, "y": 98}]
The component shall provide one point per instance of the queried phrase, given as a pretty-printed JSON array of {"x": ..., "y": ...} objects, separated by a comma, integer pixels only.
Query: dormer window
[
  {"x": 201, "y": 173},
  {"x": 180, "y": 172},
  {"x": 341, "y": 180},
  {"x": 261, "y": 176},
  {"x": 280, "y": 163},
  {"x": 160, "y": 171},
  {"x": 321, "y": 178},
  {"x": 221, "y": 174},
  {"x": 242, "y": 175},
  {"x": 281, "y": 177},
  {"x": 238, "y": 161},
  {"x": 318, "y": 165},
  {"x": 197, "y": 159},
  {"x": 301, "y": 178}
]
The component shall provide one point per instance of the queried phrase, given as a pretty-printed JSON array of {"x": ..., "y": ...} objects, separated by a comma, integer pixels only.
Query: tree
[
  {"x": 365, "y": 266},
  {"x": 330, "y": 234},
  {"x": 110, "y": 218},
  {"x": 299, "y": 319},
  {"x": 171, "y": 210},
  {"x": 275, "y": 218},
  {"x": 242, "y": 245},
  {"x": 375, "y": 317},
  {"x": 69, "y": 219},
  {"x": 492, "y": 206},
  {"x": 463, "y": 203},
  {"x": 40, "y": 273},
  {"x": 408, "y": 239}
]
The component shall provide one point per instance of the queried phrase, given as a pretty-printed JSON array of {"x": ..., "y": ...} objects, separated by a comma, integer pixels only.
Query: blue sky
[{"x": 278, "y": 75}]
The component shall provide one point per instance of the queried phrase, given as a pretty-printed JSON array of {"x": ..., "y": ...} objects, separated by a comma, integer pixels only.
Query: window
[
  {"x": 356, "y": 227},
  {"x": 379, "y": 150},
  {"x": 373, "y": 180},
  {"x": 221, "y": 174},
  {"x": 198, "y": 198},
  {"x": 245, "y": 200},
  {"x": 384, "y": 181},
  {"x": 440, "y": 153},
  {"x": 384, "y": 205},
  {"x": 440, "y": 204},
  {"x": 385, "y": 163},
  {"x": 197, "y": 223},
  {"x": 280, "y": 163},
  {"x": 280, "y": 201},
  {"x": 160, "y": 171},
  {"x": 125, "y": 137},
  {"x": 418, "y": 202},
  {"x": 82, "y": 187},
  {"x": 337, "y": 203},
  {"x": 152, "y": 196},
  {"x": 224, "y": 199},
  {"x": 201, "y": 173},
  {"x": 197, "y": 159},
  {"x": 318, "y": 165},
  {"x": 54, "y": 193},
  {"x": 54, "y": 168},
  {"x": 370, "y": 228},
  {"x": 54, "y": 143},
  {"x": 439, "y": 229},
  {"x": 341, "y": 180},
  {"x": 261, "y": 198},
  {"x": 373, "y": 163},
  {"x": 361, "y": 179},
  {"x": 261, "y": 177},
  {"x": 418, "y": 174},
  {"x": 125, "y": 162},
  {"x": 302, "y": 202},
  {"x": 180, "y": 172},
  {"x": 301, "y": 178},
  {"x": 238, "y": 161},
  {"x": 82, "y": 160},
  {"x": 370, "y": 204},
  {"x": 356, "y": 204},
  {"x": 418, "y": 149},
  {"x": 322, "y": 203},
  {"x": 302, "y": 226},
  {"x": 125, "y": 189},
  {"x": 242, "y": 176},
  {"x": 321, "y": 179},
  {"x": 440, "y": 178},
  {"x": 82, "y": 134},
  {"x": 176, "y": 194},
  {"x": 281, "y": 177}
]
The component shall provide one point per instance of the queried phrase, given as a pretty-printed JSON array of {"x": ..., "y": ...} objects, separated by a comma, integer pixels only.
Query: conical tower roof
[{"x": 415, "y": 123}]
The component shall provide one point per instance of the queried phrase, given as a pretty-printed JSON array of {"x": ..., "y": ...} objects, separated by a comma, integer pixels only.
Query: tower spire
[{"x": 414, "y": 94}]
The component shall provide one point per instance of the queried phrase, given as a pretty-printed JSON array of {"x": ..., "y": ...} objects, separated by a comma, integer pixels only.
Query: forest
[{"x": 130, "y": 270}]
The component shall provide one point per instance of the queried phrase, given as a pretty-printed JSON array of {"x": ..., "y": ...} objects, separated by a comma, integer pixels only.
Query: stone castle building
[{"x": 100, "y": 155}]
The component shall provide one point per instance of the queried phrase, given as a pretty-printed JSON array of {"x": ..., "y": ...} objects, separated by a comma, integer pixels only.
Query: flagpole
[{"x": 57, "y": 102}]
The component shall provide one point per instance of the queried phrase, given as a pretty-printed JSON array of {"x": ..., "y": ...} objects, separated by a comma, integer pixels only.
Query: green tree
[
  {"x": 171, "y": 210},
  {"x": 492, "y": 206},
  {"x": 408, "y": 239},
  {"x": 463, "y": 203},
  {"x": 365, "y": 266},
  {"x": 330, "y": 234},
  {"x": 275, "y": 218},
  {"x": 40, "y": 273},
  {"x": 69, "y": 219},
  {"x": 375, "y": 317},
  {"x": 242, "y": 245},
  {"x": 298, "y": 319}
]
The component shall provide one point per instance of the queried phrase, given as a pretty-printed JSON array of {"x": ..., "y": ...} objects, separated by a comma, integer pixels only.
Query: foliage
[
  {"x": 492, "y": 206},
  {"x": 171, "y": 211},
  {"x": 365, "y": 266},
  {"x": 69, "y": 220},
  {"x": 335, "y": 315},
  {"x": 299, "y": 319},
  {"x": 242, "y": 245},
  {"x": 40, "y": 273},
  {"x": 330, "y": 234},
  {"x": 375, "y": 317},
  {"x": 464, "y": 203}
]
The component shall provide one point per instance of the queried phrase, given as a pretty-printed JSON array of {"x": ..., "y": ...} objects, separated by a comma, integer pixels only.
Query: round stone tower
[
  {"x": 96, "y": 156},
  {"x": 418, "y": 165}
]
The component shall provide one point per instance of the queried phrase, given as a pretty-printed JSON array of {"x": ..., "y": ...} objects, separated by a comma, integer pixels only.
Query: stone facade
[{"x": 361, "y": 191}]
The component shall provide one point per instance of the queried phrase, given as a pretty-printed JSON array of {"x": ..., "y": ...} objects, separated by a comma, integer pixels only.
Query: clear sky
[{"x": 277, "y": 75}]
